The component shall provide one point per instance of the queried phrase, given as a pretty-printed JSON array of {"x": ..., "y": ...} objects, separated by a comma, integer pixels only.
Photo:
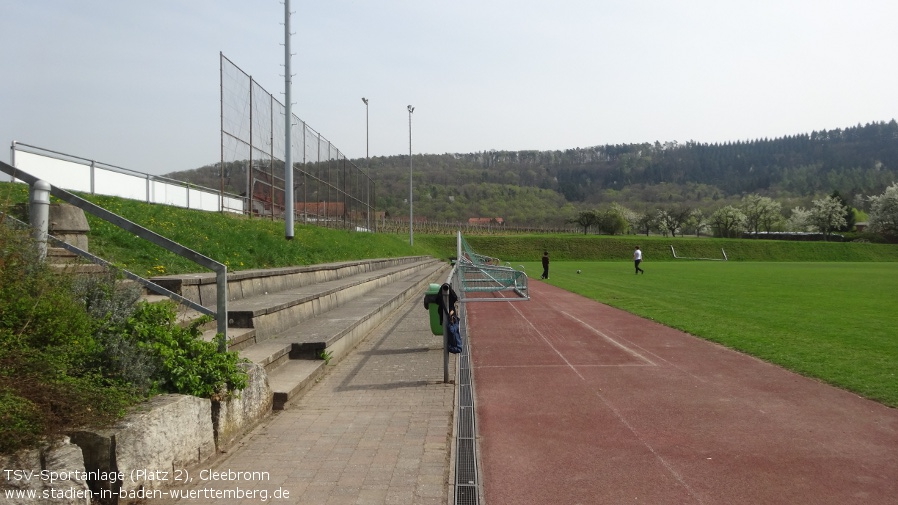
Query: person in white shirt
[{"x": 637, "y": 259}]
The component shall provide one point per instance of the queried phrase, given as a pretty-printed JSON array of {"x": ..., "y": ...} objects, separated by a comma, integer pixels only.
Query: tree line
[
  {"x": 857, "y": 162},
  {"x": 548, "y": 188},
  {"x": 753, "y": 216}
]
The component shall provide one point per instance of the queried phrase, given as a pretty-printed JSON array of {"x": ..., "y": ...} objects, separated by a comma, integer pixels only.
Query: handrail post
[
  {"x": 221, "y": 306},
  {"x": 39, "y": 214}
]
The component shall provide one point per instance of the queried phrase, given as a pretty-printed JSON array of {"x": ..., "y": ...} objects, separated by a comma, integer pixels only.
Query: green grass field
[{"x": 833, "y": 321}]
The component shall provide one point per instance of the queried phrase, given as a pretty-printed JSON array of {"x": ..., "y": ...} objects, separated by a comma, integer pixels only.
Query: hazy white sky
[{"x": 136, "y": 83}]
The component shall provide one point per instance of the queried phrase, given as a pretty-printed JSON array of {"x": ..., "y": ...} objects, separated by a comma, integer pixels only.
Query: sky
[{"x": 136, "y": 83}]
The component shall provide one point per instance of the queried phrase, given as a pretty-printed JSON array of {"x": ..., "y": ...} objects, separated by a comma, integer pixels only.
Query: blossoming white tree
[
  {"x": 827, "y": 214},
  {"x": 884, "y": 211}
]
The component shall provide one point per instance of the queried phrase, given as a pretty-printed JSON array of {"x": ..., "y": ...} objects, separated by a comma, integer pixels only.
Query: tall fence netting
[{"x": 328, "y": 189}]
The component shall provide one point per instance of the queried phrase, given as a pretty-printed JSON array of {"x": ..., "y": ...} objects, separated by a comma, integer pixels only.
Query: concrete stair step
[
  {"x": 270, "y": 353},
  {"x": 292, "y": 357},
  {"x": 244, "y": 284},
  {"x": 275, "y": 312},
  {"x": 293, "y": 378},
  {"x": 59, "y": 254}
]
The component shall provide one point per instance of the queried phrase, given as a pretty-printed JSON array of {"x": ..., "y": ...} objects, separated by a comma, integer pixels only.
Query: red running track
[{"x": 577, "y": 402}]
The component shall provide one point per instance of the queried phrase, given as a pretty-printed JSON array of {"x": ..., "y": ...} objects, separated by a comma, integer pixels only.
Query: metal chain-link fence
[{"x": 329, "y": 190}]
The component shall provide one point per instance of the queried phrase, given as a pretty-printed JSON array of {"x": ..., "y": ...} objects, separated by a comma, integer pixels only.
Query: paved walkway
[{"x": 374, "y": 430}]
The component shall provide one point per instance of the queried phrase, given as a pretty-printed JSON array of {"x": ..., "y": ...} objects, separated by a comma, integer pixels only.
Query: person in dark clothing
[{"x": 545, "y": 265}]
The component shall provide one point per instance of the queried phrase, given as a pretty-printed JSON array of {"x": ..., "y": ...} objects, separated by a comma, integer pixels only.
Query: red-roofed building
[{"x": 486, "y": 221}]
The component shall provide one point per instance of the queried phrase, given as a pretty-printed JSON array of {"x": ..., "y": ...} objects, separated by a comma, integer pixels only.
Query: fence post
[{"x": 221, "y": 306}]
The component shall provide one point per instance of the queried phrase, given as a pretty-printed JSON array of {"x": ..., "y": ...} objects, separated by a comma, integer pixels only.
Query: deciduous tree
[
  {"x": 827, "y": 214},
  {"x": 884, "y": 211},
  {"x": 646, "y": 222},
  {"x": 586, "y": 219},
  {"x": 799, "y": 220},
  {"x": 728, "y": 221},
  {"x": 761, "y": 212},
  {"x": 673, "y": 219}
]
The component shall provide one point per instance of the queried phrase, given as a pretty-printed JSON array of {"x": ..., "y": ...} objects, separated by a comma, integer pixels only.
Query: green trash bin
[{"x": 431, "y": 303}]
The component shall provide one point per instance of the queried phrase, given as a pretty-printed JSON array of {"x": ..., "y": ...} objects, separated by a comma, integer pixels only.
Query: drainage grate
[
  {"x": 464, "y": 376},
  {"x": 465, "y": 469},
  {"x": 466, "y": 491},
  {"x": 465, "y": 398},
  {"x": 466, "y": 422},
  {"x": 466, "y": 495}
]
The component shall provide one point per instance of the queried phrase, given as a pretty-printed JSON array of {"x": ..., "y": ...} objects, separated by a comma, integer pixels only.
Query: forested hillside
[{"x": 547, "y": 187}]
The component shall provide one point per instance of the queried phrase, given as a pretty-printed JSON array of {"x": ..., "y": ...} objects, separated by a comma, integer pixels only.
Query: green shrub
[
  {"x": 78, "y": 352},
  {"x": 186, "y": 363},
  {"x": 20, "y": 421},
  {"x": 48, "y": 352}
]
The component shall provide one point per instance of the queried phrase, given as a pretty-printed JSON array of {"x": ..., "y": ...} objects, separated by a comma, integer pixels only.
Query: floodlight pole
[
  {"x": 288, "y": 133},
  {"x": 411, "y": 226},
  {"x": 368, "y": 172}
]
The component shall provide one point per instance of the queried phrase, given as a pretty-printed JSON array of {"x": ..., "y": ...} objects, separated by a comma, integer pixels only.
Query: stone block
[
  {"x": 237, "y": 415},
  {"x": 152, "y": 445},
  {"x": 50, "y": 475},
  {"x": 69, "y": 224}
]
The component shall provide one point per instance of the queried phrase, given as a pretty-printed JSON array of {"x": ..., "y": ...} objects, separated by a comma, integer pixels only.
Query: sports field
[{"x": 833, "y": 321}]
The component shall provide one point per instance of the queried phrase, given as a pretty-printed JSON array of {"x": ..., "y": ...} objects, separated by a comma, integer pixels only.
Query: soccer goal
[
  {"x": 674, "y": 253},
  {"x": 479, "y": 277}
]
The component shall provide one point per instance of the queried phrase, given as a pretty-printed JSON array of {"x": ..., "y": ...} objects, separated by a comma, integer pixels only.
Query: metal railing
[
  {"x": 221, "y": 270},
  {"x": 76, "y": 173}
]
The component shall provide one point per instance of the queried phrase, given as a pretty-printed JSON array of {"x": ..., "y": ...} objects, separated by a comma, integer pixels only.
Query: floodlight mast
[
  {"x": 288, "y": 130},
  {"x": 411, "y": 225},
  {"x": 367, "y": 172}
]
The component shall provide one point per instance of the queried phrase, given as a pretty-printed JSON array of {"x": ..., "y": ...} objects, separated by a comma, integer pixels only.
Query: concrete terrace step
[
  {"x": 309, "y": 338},
  {"x": 272, "y": 313},
  {"x": 292, "y": 379},
  {"x": 253, "y": 319},
  {"x": 245, "y": 284},
  {"x": 284, "y": 318},
  {"x": 292, "y": 357}
]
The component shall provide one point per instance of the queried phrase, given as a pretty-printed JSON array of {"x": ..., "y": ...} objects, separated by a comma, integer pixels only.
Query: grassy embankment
[
  {"x": 239, "y": 242},
  {"x": 522, "y": 248}
]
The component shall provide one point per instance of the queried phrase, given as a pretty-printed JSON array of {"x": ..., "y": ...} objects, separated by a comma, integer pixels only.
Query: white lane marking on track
[
  {"x": 617, "y": 414},
  {"x": 547, "y": 341},
  {"x": 626, "y": 365},
  {"x": 648, "y": 446},
  {"x": 624, "y": 348}
]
